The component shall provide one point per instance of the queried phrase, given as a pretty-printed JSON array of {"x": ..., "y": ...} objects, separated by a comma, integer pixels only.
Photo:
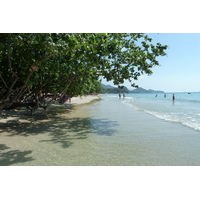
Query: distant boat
[{"x": 189, "y": 93}]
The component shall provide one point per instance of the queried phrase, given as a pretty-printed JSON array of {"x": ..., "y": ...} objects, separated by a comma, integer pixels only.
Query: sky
[{"x": 179, "y": 71}]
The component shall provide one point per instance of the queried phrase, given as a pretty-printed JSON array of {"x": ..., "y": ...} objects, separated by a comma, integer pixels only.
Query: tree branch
[{"x": 4, "y": 81}]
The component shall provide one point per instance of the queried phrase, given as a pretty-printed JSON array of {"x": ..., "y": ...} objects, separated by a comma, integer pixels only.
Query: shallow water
[
  {"x": 106, "y": 132},
  {"x": 184, "y": 110}
]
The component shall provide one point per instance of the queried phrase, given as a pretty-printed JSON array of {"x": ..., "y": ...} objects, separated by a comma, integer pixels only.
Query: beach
[
  {"x": 99, "y": 133},
  {"x": 21, "y": 135}
]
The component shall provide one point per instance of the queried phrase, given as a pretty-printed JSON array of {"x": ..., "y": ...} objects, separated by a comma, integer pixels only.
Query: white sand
[{"x": 83, "y": 99}]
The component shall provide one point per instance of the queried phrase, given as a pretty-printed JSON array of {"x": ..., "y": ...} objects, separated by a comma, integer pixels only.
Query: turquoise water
[
  {"x": 185, "y": 110},
  {"x": 146, "y": 130}
]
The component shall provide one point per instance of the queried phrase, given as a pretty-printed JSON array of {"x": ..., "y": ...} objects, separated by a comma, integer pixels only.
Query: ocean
[
  {"x": 147, "y": 129},
  {"x": 185, "y": 110}
]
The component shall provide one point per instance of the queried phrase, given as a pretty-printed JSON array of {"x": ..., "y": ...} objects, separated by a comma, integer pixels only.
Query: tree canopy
[{"x": 33, "y": 66}]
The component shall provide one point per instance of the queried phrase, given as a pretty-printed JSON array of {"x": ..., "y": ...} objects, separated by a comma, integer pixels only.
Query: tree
[{"x": 34, "y": 66}]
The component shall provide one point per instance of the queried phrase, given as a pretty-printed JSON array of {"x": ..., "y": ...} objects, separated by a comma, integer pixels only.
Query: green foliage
[{"x": 36, "y": 65}]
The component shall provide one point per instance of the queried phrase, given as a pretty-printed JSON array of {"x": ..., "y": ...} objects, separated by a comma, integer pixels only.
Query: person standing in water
[
  {"x": 119, "y": 95},
  {"x": 123, "y": 96},
  {"x": 173, "y": 98}
]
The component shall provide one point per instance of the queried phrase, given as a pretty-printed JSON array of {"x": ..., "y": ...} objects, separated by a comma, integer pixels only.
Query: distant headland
[{"x": 111, "y": 89}]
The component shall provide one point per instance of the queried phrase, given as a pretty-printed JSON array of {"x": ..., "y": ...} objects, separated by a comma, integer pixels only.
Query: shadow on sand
[
  {"x": 58, "y": 129},
  {"x": 11, "y": 157}
]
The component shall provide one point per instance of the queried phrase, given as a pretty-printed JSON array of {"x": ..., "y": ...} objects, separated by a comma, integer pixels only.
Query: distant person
[
  {"x": 173, "y": 98},
  {"x": 156, "y": 95},
  {"x": 119, "y": 95},
  {"x": 70, "y": 97},
  {"x": 123, "y": 96},
  {"x": 164, "y": 95}
]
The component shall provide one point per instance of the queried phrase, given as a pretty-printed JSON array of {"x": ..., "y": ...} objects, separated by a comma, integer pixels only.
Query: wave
[
  {"x": 112, "y": 96},
  {"x": 191, "y": 120},
  {"x": 183, "y": 119}
]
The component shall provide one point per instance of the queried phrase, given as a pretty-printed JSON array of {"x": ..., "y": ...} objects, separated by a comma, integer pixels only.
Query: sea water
[
  {"x": 145, "y": 129},
  {"x": 185, "y": 110}
]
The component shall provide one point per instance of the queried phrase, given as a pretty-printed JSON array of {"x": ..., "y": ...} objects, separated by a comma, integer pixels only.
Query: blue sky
[{"x": 179, "y": 71}]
